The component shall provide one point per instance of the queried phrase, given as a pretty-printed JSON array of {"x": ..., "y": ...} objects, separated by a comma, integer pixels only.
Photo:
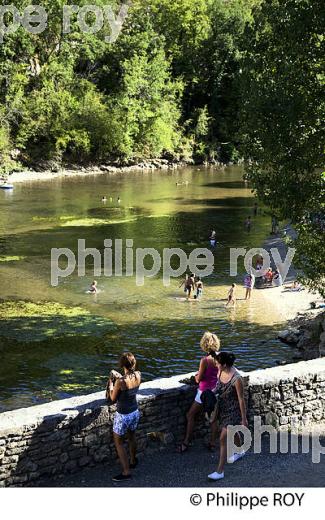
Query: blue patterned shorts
[{"x": 124, "y": 423}]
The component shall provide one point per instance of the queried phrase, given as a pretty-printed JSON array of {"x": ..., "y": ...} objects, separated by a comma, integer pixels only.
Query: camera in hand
[{"x": 114, "y": 375}]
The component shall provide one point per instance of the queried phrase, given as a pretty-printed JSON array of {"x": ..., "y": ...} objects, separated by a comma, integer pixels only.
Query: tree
[{"x": 283, "y": 105}]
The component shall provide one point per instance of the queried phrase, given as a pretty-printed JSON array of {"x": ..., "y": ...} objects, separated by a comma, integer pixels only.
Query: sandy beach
[{"x": 284, "y": 302}]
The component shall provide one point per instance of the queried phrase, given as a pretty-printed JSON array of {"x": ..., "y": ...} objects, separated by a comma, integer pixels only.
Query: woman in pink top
[{"x": 207, "y": 378}]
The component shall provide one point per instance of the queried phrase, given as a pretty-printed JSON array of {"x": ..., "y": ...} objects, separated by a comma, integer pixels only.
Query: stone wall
[
  {"x": 290, "y": 394},
  {"x": 50, "y": 440}
]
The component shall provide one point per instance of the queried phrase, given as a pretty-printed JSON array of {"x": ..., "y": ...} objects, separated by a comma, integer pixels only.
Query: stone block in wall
[
  {"x": 91, "y": 439},
  {"x": 320, "y": 376},
  {"x": 271, "y": 419},
  {"x": 10, "y": 459},
  {"x": 102, "y": 454},
  {"x": 84, "y": 461},
  {"x": 298, "y": 386},
  {"x": 298, "y": 408},
  {"x": 64, "y": 457},
  {"x": 77, "y": 453},
  {"x": 310, "y": 406},
  {"x": 275, "y": 393},
  {"x": 308, "y": 394},
  {"x": 47, "y": 462},
  {"x": 77, "y": 440},
  {"x": 105, "y": 438},
  {"x": 71, "y": 466},
  {"x": 318, "y": 415}
]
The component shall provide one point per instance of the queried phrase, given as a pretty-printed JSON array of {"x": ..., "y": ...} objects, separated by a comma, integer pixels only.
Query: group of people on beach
[{"x": 218, "y": 382}]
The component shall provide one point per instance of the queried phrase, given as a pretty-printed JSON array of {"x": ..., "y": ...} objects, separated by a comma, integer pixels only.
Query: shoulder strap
[{"x": 235, "y": 378}]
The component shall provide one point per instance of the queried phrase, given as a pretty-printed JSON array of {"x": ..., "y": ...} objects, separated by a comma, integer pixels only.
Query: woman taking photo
[
  {"x": 231, "y": 409},
  {"x": 207, "y": 378},
  {"x": 124, "y": 393}
]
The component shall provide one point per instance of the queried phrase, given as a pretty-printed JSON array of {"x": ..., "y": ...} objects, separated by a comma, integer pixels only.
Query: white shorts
[{"x": 198, "y": 397}]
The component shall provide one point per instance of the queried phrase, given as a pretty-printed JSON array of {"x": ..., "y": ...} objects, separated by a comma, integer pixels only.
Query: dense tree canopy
[
  {"x": 167, "y": 85},
  {"x": 283, "y": 109}
]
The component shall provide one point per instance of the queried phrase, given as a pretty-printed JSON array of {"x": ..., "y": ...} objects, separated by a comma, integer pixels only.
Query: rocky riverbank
[
  {"x": 307, "y": 333},
  {"x": 48, "y": 171},
  {"x": 305, "y": 328}
]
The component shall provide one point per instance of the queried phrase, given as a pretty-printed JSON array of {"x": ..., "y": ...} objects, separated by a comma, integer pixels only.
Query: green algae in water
[
  {"x": 29, "y": 322},
  {"x": 12, "y": 258},
  {"x": 84, "y": 222},
  {"x": 53, "y": 218},
  {"x": 90, "y": 222}
]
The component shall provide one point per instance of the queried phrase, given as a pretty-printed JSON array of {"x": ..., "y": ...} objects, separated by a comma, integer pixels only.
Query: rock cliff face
[{"x": 308, "y": 334}]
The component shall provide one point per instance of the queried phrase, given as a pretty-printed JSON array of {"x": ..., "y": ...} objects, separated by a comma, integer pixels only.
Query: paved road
[{"x": 169, "y": 469}]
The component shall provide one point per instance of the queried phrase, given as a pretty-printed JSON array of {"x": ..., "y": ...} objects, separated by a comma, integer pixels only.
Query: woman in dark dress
[{"x": 231, "y": 409}]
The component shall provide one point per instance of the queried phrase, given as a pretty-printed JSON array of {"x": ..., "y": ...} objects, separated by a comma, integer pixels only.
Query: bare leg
[
  {"x": 192, "y": 413},
  {"x": 118, "y": 440},
  {"x": 132, "y": 446},
  {"x": 238, "y": 441},
  {"x": 223, "y": 451},
  {"x": 214, "y": 433}
]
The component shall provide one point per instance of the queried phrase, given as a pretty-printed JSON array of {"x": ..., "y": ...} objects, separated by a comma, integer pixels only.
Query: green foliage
[
  {"x": 166, "y": 86},
  {"x": 283, "y": 109}
]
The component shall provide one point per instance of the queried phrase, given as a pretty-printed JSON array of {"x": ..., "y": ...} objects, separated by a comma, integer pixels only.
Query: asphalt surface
[{"x": 167, "y": 468}]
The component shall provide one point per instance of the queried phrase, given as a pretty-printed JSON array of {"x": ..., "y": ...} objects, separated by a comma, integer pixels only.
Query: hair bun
[{"x": 226, "y": 358}]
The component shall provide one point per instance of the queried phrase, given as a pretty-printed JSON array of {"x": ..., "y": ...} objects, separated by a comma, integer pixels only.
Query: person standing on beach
[
  {"x": 249, "y": 282},
  {"x": 232, "y": 295}
]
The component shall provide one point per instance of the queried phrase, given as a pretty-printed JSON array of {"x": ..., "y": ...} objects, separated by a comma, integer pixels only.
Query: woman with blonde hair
[{"x": 207, "y": 378}]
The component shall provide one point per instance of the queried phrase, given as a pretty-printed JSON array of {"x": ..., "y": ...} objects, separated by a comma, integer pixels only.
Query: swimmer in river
[
  {"x": 199, "y": 287},
  {"x": 248, "y": 224},
  {"x": 232, "y": 295},
  {"x": 213, "y": 239},
  {"x": 189, "y": 285},
  {"x": 93, "y": 288}
]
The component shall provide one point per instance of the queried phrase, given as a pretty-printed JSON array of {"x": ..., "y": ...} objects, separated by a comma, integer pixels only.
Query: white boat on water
[{"x": 6, "y": 186}]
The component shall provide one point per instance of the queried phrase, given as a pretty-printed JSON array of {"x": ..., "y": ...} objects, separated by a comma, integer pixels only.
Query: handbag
[{"x": 210, "y": 401}]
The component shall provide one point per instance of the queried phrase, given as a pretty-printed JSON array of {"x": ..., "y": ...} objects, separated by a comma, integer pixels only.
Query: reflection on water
[{"x": 153, "y": 321}]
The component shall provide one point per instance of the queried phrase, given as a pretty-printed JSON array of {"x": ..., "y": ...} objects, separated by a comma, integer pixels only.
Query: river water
[{"x": 56, "y": 342}]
